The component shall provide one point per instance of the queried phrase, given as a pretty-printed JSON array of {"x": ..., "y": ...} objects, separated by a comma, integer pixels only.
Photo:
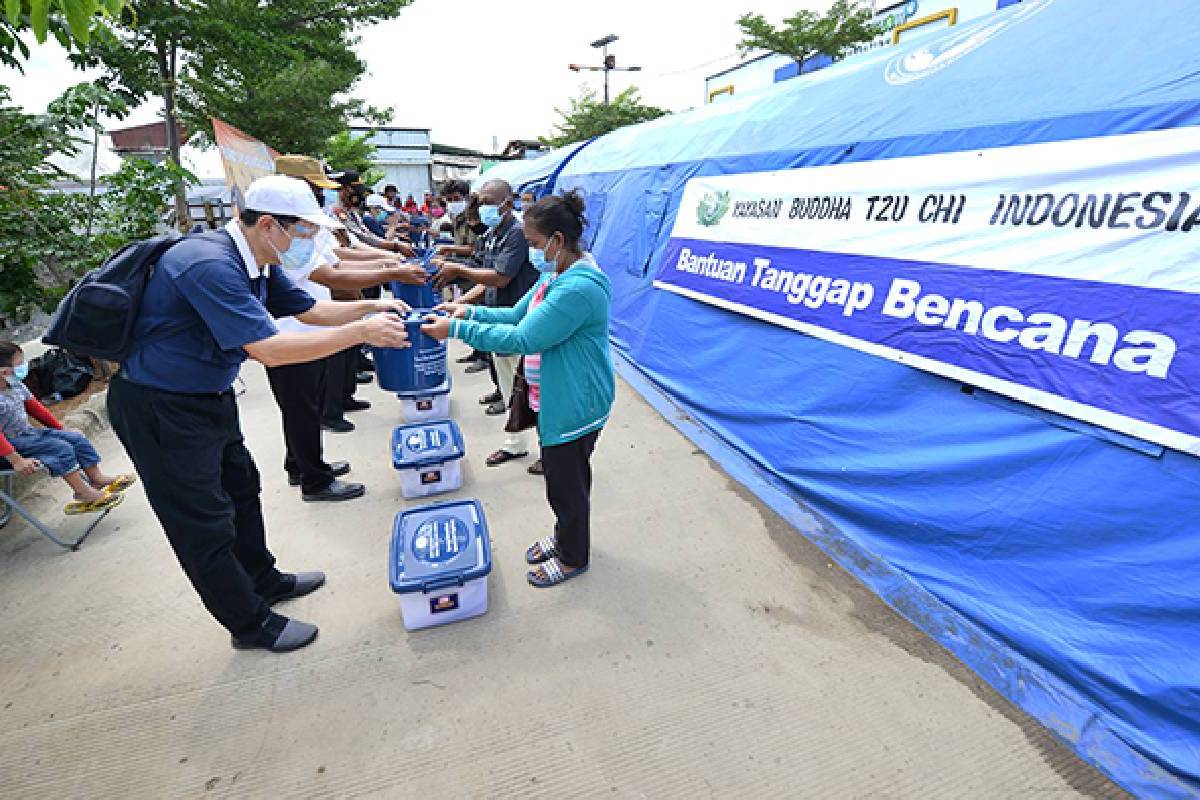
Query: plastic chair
[{"x": 9, "y": 500}]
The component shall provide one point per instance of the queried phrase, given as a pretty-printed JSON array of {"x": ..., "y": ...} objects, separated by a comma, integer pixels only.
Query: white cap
[
  {"x": 379, "y": 201},
  {"x": 287, "y": 197}
]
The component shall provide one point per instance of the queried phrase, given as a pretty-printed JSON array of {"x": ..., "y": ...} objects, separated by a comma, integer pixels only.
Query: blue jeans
[{"x": 62, "y": 452}]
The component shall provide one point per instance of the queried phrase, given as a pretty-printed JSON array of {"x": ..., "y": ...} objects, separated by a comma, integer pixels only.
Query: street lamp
[{"x": 608, "y": 63}]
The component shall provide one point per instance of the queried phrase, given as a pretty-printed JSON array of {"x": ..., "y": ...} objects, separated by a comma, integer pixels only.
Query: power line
[{"x": 696, "y": 67}]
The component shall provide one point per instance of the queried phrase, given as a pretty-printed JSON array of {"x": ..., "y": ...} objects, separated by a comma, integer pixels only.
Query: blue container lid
[
  {"x": 439, "y": 546},
  {"x": 426, "y": 444},
  {"x": 443, "y": 389}
]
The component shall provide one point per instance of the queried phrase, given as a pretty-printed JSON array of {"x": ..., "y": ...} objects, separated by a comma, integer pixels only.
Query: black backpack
[{"x": 97, "y": 316}]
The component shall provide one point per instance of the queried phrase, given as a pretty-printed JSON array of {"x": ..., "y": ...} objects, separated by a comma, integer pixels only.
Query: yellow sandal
[
  {"x": 106, "y": 501},
  {"x": 122, "y": 483}
]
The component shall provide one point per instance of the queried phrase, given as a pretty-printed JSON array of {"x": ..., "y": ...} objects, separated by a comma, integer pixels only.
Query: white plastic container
[
  {"x": 433, "y": 404},
  {"x": 428, "y": 457},
  {"x": 440, "y": 559}
]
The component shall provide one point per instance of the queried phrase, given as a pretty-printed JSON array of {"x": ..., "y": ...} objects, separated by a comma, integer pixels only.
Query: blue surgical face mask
[
  {"x": 490, "y": 215},
  {"x": 300, "y": 251},
  {"x": 19, "y": 373},
  {"x": 543, "y": 262}
]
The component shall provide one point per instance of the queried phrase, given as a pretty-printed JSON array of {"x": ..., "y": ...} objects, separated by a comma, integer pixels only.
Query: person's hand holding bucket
[
  {"x": 455, "y": 310},
  {"x": 390, "y": 304},
  {"x": 384, "y": 330},
  {"x": 437, "y": 326}
]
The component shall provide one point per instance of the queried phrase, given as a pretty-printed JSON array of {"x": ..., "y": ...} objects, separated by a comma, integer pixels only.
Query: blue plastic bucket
[
  {"x": 422, "y": 296},
  {"x": 412, "y": 369}
]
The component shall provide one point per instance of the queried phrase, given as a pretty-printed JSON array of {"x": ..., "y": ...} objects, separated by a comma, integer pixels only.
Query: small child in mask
[{"x": 64, "y": 454}]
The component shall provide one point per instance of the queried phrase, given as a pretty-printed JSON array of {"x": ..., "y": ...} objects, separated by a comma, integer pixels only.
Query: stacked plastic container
[{"x": 440, "y": 554}]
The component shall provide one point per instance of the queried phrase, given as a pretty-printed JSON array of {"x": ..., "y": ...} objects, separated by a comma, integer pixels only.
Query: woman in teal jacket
[{"x": 561, "y": 327}]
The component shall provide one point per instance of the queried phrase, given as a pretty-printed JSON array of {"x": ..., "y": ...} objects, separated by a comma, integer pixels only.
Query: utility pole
[{"x": 608, "y": 63}]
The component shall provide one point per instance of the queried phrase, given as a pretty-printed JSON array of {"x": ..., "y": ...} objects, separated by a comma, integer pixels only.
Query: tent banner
[
  {"x": 1062, "y": 274},
  {"x": 244, "y": 158}
]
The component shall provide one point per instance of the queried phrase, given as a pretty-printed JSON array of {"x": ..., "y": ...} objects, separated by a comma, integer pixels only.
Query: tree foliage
[
  {"x": 45, "y": 239},
  {"x": 280, "y": 71},
  {"x": 71, "y": 22},
  {"x": 588, "y": 116},
  {"x": 344, "y": 150},
  {"x": 806, "y": 33}
]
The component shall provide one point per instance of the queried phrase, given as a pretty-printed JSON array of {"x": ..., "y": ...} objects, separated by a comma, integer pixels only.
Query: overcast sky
[{"x": 472, "y": 70}]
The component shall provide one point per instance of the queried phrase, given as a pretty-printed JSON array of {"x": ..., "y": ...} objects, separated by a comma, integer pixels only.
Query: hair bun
[{"x": 574, "y": 203}]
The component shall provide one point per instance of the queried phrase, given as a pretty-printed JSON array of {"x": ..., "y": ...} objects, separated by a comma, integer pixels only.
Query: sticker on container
[
  {"x": 426, "y": 439},
  {"x": 432, "y": 476},
  {"x": 440, "y": 539},
  {"x": 424, "y": 405},
  {"x": 447, "y": 602}
]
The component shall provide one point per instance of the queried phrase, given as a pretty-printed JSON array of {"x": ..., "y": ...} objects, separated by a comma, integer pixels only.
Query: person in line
[
  {"x": 389, "y": 193},
  {"x": 347, "y": 212},
  {"x": 207, "y": 307},
  {"x": 561, "y": 327},
  {"x": 505, "y": 275},
  {"x": 300, "y": 389},
  {"x": 64, "y": 454}
]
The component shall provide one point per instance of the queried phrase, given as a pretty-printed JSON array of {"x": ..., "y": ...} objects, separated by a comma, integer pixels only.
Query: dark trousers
[
  {"x": 340, "y": 382},
  {"x": 299, "y": 391},
  {"x": 569, "y": 489},
  {"x": 204, "y": 488}
]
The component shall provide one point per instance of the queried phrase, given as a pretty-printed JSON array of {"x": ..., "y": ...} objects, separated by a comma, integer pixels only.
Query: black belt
[{"x": 201, "y": 395}]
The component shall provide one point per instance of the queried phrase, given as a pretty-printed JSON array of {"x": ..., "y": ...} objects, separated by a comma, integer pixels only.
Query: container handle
[{"x": 442, "y": 583}]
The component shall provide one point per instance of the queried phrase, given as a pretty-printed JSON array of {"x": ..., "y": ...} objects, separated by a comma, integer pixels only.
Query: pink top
[{"x": 533, "y": 362}]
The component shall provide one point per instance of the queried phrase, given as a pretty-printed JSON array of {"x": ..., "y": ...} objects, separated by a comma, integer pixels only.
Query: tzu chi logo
[{"x": 712, "y": 208}]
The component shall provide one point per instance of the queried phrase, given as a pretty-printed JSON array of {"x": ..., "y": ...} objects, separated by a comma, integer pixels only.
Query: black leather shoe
[
  {"x": 337, "y": 469},
  {"x": 488, "y": 399},
  {"x": 292, "y": 586},
  {"x": 496, "y": 409},
  {"x": 478, "y": 366},
  {"x": 354, "y": 404},
  {"x": 277, "y": 634},
  {"x": 468, "y": 358},
  {"x": 337, "y": 425},
  {"x": 364, "y": 378},
  {"x": 336, "y": 491}
]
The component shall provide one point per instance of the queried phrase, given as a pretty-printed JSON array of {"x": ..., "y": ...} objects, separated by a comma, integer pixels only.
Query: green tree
[
  {"x": 806, "y": 33},
  {"x": 46, "y": 236},
  {"x": 71, "y": 22},
  {"x": 344, "y": 150},
  {"x": 272, "y": 69},
  {"x": 589, "y": 116}
]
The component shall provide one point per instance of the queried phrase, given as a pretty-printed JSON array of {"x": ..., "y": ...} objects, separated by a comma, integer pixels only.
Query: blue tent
[
  {"x": 533, "y": 174},
  {"x": 1061, "y": 563}
]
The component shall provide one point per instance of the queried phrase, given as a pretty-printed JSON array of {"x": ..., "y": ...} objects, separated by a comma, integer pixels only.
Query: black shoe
[
  {"x": 336, "y": 491},
  {"x": 488, "y": 399},
  {"x": 292, "y": 586},
  {"x": 364, "y": 378},
  {"x": 496, "y": 409},
  {"x": 366, "y": 365},
  {"x": 478, "y": 366},
  {"x": 277, "y": 634},
  {"x": 337, "y": 469},
  {"x": 337, "y": 425},
  {"x": 354, "y": 404},
  {"x": 475, "y": 355}
]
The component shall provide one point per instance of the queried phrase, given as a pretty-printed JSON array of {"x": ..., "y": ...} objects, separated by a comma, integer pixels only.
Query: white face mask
[{"x": 456, "y": 207}]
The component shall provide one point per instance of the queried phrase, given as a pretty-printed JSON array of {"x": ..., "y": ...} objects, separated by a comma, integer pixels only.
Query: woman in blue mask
[
  {"x": 561, "y": 328},
  {"x": 64, "y": 454}
]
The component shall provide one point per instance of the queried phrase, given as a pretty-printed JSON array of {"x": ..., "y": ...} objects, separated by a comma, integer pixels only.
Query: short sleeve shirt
[
  {"x": 506, "y": 251},
  {"x": 200, "y": 310},
  {"x": 14, "y": 419}
]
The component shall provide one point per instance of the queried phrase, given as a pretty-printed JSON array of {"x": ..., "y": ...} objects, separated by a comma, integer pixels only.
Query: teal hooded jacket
[{"x": 570, "y": 329}]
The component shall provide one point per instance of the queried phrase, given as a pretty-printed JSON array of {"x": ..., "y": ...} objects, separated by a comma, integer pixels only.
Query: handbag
[{"x": 521, "y": 416}]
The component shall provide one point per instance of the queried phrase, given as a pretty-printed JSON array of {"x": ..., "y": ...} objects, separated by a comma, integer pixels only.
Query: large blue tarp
[{"x": 1061, "y": 562}]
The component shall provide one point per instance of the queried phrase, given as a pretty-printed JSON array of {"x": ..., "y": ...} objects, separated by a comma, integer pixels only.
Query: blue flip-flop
[
  {"x": 548, "y": 548},
  {"x": 554, "y": 574}
]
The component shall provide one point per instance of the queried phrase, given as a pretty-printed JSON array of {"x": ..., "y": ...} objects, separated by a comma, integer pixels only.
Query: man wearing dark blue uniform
[{"x": 207, "y": 308}]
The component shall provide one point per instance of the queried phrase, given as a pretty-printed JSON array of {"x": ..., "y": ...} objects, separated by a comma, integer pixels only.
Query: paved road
[{"x": 710, "y": 652}]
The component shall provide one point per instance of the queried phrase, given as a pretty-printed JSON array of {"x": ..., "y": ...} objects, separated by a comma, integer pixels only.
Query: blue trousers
[{"x": 62, "y": 452}]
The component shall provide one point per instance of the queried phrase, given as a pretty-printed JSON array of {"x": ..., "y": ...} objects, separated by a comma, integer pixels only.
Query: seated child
[{"x": 65, "y": 454}]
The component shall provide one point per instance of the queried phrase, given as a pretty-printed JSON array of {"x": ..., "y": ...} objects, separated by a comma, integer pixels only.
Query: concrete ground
[{"x": 710, "y": 652}]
